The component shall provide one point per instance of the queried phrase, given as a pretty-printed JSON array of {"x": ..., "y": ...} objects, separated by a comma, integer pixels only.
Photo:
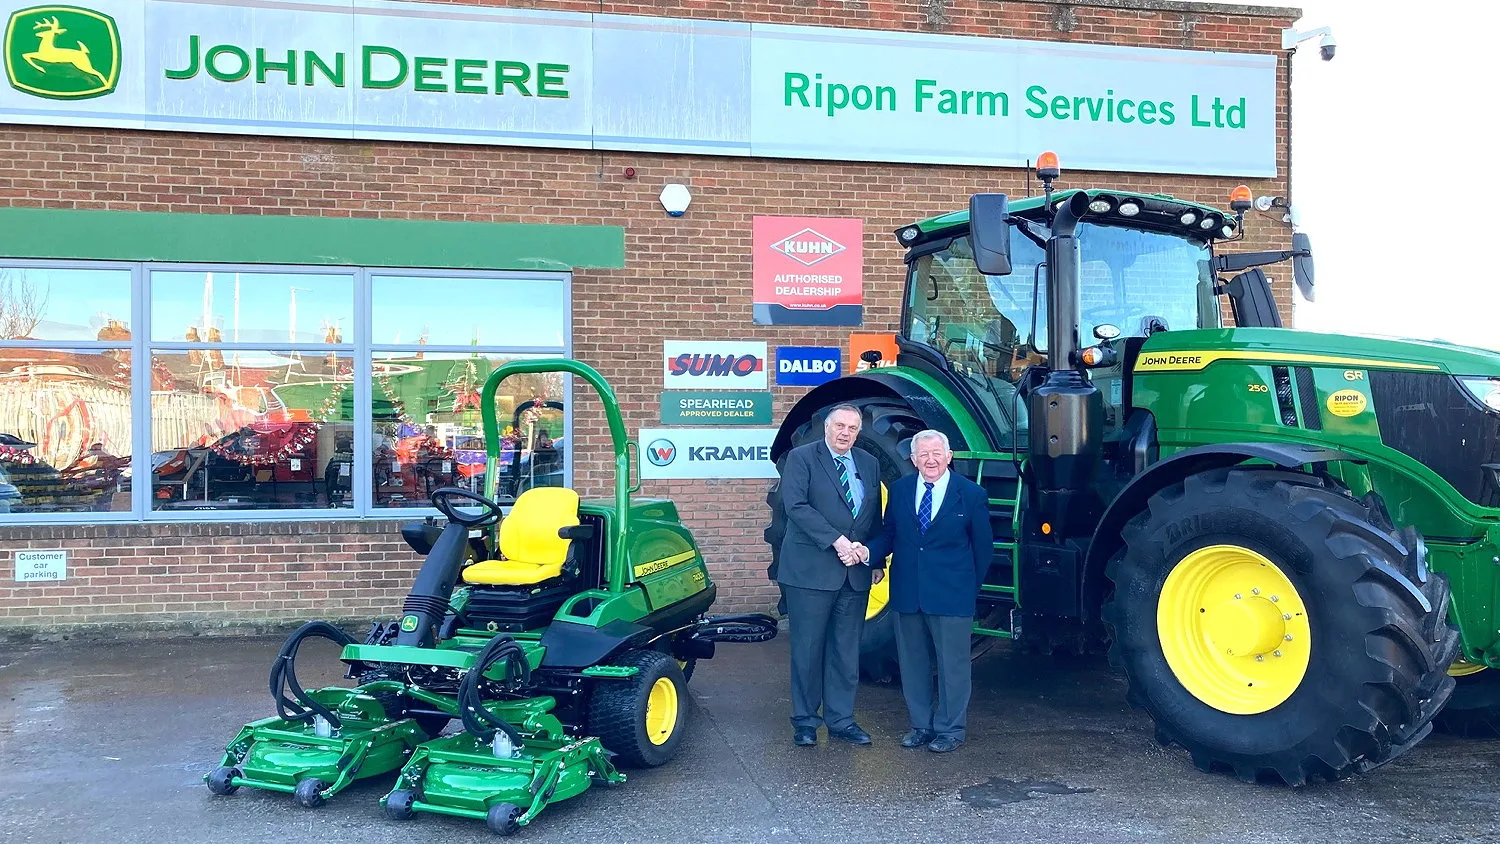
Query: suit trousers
[
  {"x": 825, "y": 626},
  {"x": 921, "y": 641}
]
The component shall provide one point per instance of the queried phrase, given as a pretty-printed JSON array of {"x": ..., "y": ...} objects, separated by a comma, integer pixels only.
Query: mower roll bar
[{"x": 620, "y": 441}]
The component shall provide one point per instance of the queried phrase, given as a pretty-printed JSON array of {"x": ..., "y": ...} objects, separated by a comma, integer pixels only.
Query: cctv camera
[{"x": 1326, "y": 48}]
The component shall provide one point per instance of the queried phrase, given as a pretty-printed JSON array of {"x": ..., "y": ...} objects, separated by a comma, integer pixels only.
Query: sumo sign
[
  {"x": 717, "y": 365},
  {"x": 807, "y": 366}
]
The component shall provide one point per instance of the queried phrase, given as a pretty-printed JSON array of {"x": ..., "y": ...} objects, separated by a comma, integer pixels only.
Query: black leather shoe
[
  {"x": 917, "y": 738},
  {"x": 852, "y": 734},
  {"x": 804, "y": 736},
  {"x": 944, "y": 744}
]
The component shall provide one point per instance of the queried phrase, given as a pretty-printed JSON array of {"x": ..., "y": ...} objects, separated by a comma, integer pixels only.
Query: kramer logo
[
  {"x": 661, "y": 452},
  {"x": 808, "y": 247},
  {"x": 62, "y": 52}
]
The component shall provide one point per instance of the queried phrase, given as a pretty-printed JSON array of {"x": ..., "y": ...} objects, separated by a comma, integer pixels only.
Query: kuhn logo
[
  {"x": 808, "y": 247},
  {"x": 62, "y": 52},
  {"x": 716, "y": 365},
  {"x": 661, "y": 452}
]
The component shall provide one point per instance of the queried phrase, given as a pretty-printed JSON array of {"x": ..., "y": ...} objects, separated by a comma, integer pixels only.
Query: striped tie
[
  {"x": 924, "y": 512},
  {"x": 844, "y": 481}
]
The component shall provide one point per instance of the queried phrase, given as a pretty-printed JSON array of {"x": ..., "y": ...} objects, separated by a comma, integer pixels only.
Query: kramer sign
[{"x": 445, "y": 73}]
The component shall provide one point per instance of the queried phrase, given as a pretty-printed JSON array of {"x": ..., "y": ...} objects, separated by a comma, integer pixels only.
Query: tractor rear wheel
[
  {"x": 1272, "y": 628},
  {"x": 1474, "y": 709},
  {"x": 886, "y": 432}
]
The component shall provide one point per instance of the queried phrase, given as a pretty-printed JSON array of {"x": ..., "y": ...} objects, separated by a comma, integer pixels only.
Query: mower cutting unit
[{"x": 564, "y": 653}]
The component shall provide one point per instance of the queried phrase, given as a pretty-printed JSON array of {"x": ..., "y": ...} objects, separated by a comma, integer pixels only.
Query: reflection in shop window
[
  {"x": 251, "y": 430},
  {"x": 65, "y": 430},
  {"x": 428, "y": 432},
  {"x": 250, "y": 307}
]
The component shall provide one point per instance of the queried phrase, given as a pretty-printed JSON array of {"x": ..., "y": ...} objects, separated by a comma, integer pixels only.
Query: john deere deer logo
[{"x": 62, "y": 52}]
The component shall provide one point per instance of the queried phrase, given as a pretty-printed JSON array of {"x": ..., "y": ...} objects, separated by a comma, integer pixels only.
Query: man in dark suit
[
  {"x": 831, "y": 493},
  {"x": 938, "y": 535}
]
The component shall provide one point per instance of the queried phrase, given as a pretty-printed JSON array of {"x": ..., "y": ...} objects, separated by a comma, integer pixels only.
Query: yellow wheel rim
[
  {"x": 1460, "y": 668},
  {"x": 880, "y": 593},
  {"x": 661, "y": 711},
  {"x": 1233, "y": 629}
]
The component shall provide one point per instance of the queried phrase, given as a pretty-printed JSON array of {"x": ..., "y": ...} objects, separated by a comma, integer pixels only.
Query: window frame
[{"x": 361, "y": 349}]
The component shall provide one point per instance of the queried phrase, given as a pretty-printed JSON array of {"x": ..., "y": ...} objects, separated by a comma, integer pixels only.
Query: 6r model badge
[{"x": 62, "y": 52}]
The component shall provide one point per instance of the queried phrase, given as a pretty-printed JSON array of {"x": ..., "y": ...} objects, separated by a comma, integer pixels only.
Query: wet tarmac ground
[{"x": 110, "y": 742}]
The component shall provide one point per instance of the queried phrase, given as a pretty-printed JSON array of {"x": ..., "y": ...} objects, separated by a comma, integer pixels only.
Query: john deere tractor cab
[
  {"x": 561, "y": 634},
  {"x": 1256, "y": 522}
]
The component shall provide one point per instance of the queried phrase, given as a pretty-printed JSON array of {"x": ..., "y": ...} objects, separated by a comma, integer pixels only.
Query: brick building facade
[{"x": 682, "y": 277}]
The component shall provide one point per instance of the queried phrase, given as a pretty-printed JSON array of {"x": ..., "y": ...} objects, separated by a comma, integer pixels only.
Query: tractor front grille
[{"x": 1433, "y": 420}]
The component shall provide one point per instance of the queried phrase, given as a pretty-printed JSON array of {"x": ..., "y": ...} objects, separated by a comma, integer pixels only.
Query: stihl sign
[
  {"x": 808, "y": 247},
  {"x": 720, "y": 365}
]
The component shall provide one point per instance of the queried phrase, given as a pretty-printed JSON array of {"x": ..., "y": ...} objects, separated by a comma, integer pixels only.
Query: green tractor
[
  {"x": 561, "y": 634},
  {"x": 1259, "y": 525}
]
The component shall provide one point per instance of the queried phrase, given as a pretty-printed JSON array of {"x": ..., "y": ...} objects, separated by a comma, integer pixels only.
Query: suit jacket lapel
[{"x": 951, "y": 498}]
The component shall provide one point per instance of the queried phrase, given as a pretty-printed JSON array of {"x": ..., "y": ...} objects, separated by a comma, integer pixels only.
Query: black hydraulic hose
[
  {"x": 476, "y": 719},
  {"x": 284, "y": 676},
  {"x": 750, "y": 627}
]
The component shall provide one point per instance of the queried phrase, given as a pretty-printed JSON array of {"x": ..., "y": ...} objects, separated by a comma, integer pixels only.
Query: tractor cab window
[
  {"x": 991, "y": 328},
  {"x": 1142, "y": 281}
]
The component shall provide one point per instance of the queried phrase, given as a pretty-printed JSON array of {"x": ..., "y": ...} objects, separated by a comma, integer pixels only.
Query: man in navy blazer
[{"x": 937, "y": 533}]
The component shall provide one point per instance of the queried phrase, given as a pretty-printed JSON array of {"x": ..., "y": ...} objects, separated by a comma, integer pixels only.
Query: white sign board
[
  {"x": 34, "y": 566},
  {"x": 713, "y": 365},
  {"x": 676, "y": 453},
  {"x": 447, "y": 73}
]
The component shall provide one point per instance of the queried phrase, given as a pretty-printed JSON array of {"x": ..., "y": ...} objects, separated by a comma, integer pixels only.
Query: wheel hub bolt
[
  {"x": 1286, "y": 616},
  {"x": 1255, "y": 591},
  {"x": 1276, "y": 653},
  {"x": 1237, "y": 596},
  {"x": 1289, "y": 637},
  {"x": 1274, "y": 599},
  {"x": 1260, "y": 658}
]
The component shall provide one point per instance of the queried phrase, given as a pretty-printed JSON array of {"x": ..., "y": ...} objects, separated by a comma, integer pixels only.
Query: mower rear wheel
[
  {"x": 309, "y": 793},
  {"x": 1271, "y": 627},
  {"x": 221, "y": 780},
  {"x": 502, "y": 819},
  {"x": 641, "y": 718},
  {"x": 398, "y": 804}
]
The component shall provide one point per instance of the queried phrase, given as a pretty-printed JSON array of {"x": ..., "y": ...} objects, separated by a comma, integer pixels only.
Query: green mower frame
[{"x": 555, "y": 676}]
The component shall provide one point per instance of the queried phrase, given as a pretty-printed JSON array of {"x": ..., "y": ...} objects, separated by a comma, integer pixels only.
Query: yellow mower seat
[{"x": 529, "y": 540}]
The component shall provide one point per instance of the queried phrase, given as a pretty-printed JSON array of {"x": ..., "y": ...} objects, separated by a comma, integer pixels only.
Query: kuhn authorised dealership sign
[
  {"x": 682, "y": 453},
  {"x": 808, "y": 270},
  {"x": 713, "y": 365},
  {"x": 450, "y": 73}
]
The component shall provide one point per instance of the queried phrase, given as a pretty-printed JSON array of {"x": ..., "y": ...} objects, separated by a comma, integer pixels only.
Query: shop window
[
  {"x": 65, "y": 411},
  {"x": 268, "y": 392}
]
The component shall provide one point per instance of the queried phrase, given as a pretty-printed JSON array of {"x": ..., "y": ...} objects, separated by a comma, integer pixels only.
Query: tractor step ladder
[{"x": 998, "y": 473}]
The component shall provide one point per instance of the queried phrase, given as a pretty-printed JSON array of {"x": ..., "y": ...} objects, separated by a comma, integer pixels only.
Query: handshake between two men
[{"x": 856, "y": 553}]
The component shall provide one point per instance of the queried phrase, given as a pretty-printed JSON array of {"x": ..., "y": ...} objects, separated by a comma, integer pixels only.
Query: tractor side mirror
[
  {"x": 989, "y": 232},
  {"x": 1302, "y": 265}
]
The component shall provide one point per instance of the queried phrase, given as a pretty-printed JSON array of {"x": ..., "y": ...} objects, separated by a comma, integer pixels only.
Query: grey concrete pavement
[{"x": 109, "y": 742}]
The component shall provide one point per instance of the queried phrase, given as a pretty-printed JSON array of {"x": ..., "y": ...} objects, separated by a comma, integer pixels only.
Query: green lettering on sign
[{"x": 715, "y": 407}]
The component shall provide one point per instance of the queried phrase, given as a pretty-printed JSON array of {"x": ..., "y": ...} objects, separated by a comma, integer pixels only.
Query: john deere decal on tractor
[
  {"x": 1260, "y": 525},
  {"x": 561, "y": 635}
]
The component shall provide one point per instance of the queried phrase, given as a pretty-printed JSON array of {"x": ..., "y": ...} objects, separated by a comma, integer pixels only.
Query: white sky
[{"x": 1394, "y": 166}]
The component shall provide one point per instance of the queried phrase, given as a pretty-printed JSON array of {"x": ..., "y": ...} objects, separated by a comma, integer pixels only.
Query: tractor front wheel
[
  {"x": 1270, "y": 627},
  {"x": 1474, "y": 709}
]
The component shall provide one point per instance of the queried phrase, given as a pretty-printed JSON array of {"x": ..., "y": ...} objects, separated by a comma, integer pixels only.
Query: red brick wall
[{"x": 686, "y": 277}]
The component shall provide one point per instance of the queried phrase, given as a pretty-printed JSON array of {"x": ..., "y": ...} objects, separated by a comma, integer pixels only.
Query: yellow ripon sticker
[
  {"x": 663, "y": 564},
  {"x": 1347, "y": 403},
  {"x": 1193, "y": 361}
]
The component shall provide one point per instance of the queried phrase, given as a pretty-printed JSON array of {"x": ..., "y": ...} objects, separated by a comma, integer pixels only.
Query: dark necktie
[
  {"x": 844, "y": 481},
  {"x": 924, "y": 512}
]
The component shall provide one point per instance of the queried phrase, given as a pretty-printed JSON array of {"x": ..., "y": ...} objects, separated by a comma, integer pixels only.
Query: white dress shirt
[{"x": 939, "y": 487}]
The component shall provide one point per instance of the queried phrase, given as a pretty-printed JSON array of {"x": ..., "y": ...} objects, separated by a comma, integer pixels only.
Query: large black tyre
[
  {"x": 1379, "y": 641},
  {"x": 1474, "y": 709},
  {"x": 886, "y": 432},
  {"x": 626, "y": 719}
]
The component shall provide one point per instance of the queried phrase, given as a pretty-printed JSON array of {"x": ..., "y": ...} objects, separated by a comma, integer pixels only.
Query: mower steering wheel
[{"x": 492, "y": 513}]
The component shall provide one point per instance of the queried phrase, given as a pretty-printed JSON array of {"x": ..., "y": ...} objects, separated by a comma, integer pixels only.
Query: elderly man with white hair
[{"x": 937, "y": 531}]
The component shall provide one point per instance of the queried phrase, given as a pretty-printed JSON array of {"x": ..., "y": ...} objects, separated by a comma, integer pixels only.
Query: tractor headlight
[
  {"x": 1486, "y": 391},
  {"x": 909, "y": 234},
  {"x": 1129, "y": 209},
  {"x": 1188, "y": 218}
]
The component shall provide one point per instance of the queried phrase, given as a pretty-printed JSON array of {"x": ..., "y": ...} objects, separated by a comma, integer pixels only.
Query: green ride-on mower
[{"x": 563, "y": 654}]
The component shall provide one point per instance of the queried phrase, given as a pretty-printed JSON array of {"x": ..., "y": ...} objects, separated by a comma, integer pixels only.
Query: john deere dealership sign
[{"x": 459, "y": 74}]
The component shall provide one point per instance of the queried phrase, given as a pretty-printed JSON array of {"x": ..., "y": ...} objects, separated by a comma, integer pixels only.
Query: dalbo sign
[{"x": 807, "y": 366}]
